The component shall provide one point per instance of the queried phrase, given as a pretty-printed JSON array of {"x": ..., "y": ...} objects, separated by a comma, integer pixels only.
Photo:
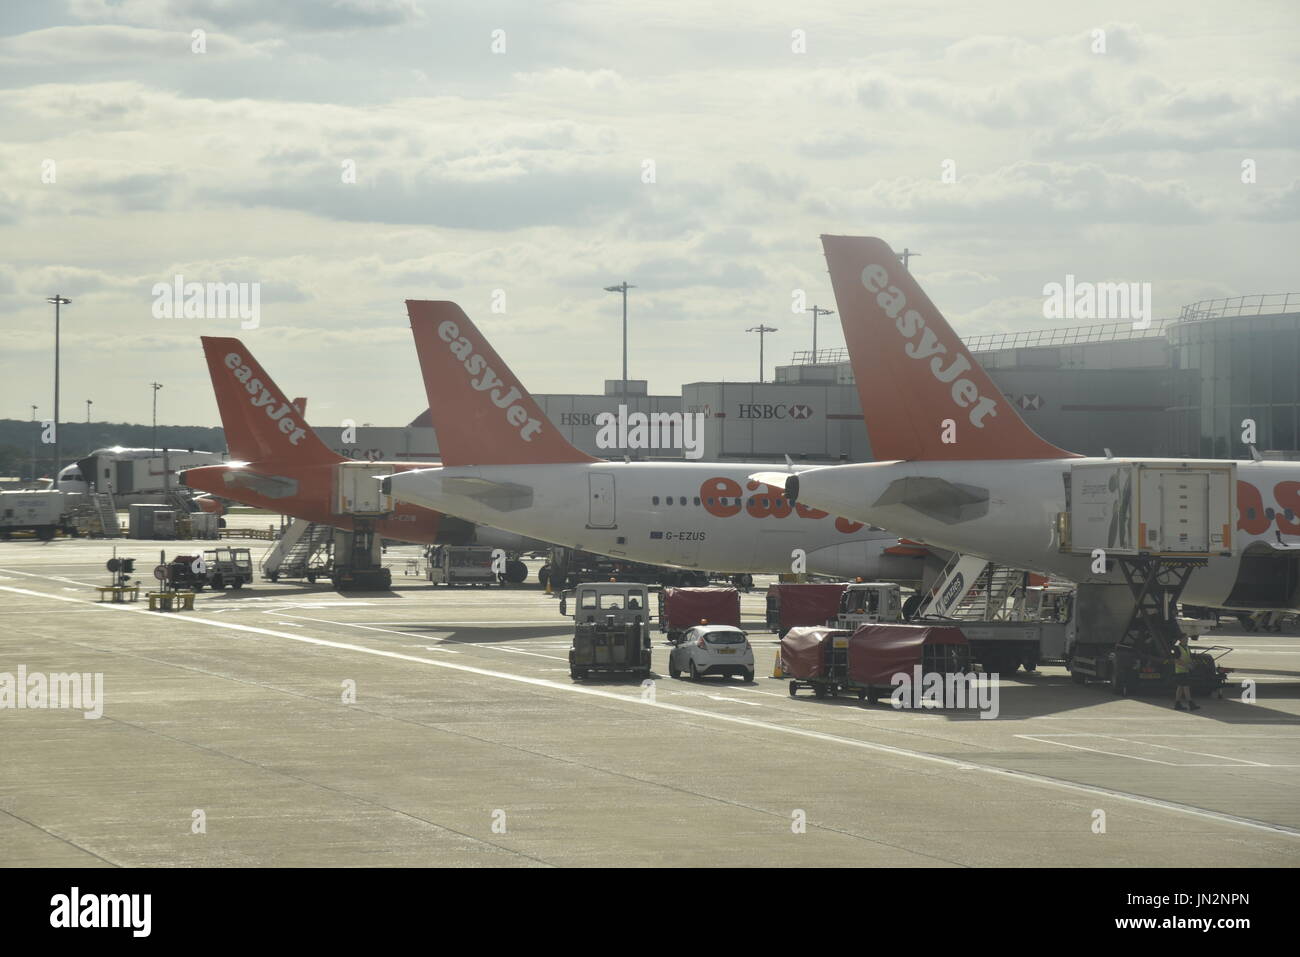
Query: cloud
[{"x": 120, "y": 44}]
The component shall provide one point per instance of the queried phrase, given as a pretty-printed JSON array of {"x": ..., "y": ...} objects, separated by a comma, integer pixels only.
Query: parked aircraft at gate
[
  {"x": 506, "y": 465},
  {"x": 959, "y": 469},
  {"x": 278, "y": 462}
]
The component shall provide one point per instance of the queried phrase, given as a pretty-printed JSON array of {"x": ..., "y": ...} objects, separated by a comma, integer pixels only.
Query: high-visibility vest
[{"x": 1182, "y": 660}]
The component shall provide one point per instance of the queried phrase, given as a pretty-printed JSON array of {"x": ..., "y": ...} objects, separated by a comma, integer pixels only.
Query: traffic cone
[{"x": 777, "y": 670}]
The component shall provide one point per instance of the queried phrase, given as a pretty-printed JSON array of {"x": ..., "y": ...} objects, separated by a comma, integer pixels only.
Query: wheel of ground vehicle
[
  {"x": 218, "y": 583},
  {"x": 1078, "y": 677},
  {"x": 1247, "y": 622},
  {"x": 819, "y": 690},
  {"x": 576, "y": 673},
  {"x": 862, "y": 694},
  {"x": 275, "y": 576},
  {"x": 748, "y": 676},
  {"x": 311, "y": 578},
  {"x": 910, "y": 606},
  {"x": 237, "y": 584},
  {"x": 45, "y": 533},
  {"x": 516, "y": 571},
  {"x": 695, "y": 672},
  {"x": 196, "y": 587},
  {"x": 794, "y": 688},
  {"x": 672, "y": 671}
]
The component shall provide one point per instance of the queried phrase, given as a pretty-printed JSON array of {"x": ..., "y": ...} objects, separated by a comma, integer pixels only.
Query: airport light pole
[
  {"x": 623, "y": 287},
  {"x": 36, "y": 434},
  {"x": 906, "y": 255},
  {"x": 156, "y": 387},
  {"x": 58, "y": 301},
  {"x": 762, "y": 331},
  {"x": 816, "y": 311},
  {"x": 89, "y": 402}
]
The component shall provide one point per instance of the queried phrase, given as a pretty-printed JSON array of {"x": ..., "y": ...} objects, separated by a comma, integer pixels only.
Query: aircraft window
[
  {"x": 1290, "y": 515},
  {"x": 611, "y": 601},
  {"x": 697, "y": 500},
  {"x": 668, "y": 500},
  {"x": 683, "y": 500},
  {"x": 655, "y": 500}
]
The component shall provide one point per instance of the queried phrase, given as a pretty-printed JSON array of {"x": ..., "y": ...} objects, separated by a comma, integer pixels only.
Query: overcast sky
[{"x": 523, "y": 170}]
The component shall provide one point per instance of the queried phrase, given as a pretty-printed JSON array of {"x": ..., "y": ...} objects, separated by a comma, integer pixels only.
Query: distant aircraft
[
  {"x": 505, "y": 464},
  {"x": 279, "y": 463}
]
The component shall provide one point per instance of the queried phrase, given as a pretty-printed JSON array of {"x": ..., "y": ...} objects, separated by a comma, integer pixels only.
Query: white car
[{"x": 712, "y": 650}]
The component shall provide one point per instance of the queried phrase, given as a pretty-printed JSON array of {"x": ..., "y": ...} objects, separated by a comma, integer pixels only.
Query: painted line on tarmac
[{"x": 1024, "y": 777}]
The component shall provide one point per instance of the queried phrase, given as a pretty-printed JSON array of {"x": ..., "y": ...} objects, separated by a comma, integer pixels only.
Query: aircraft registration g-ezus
[
  {"x": 280, "y": 464},
  {"x": 959, "y": 469},
  {"x": 506, "y": 465}
]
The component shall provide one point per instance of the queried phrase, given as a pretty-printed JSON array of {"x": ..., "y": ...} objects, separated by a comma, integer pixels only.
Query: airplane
[
  {"x": 280, "y": 464},
  {"x": 505, "y": 464},
  {"x": 958, "y": 468}
]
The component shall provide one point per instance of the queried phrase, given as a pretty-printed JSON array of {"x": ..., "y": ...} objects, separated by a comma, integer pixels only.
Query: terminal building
[{"x": 1183, "y": 387}]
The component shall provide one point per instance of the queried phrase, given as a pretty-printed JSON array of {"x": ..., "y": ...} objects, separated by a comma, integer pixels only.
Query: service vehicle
[
  {"x": 867, "y": 660},
  {"x": 683, "y": 608},
  {"x": 802, "y": 604},
  {"x": 707, "y": 650},
  {"x": 217, "y": 567},
  {"x": 231, "y": 567},
  {"x": 461, "y": 565},
  {"x": 42, "y": 512},
  {"x": 865, "y": 603},
  {"x": 611, "y": 629}
]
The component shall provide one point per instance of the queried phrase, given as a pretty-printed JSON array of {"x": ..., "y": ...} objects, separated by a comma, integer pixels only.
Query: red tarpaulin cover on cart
[
  {"x": 878, "y": 652},
  {"x": 802, "y": 651},
  {"x": 687, "y": 607},
  {"x": 808, "y": 604}
]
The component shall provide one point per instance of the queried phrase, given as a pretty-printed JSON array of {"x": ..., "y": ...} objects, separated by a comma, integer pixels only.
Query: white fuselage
[
  {"x": 1018, "y": 525},
  {"x": 682, "y": 514}
]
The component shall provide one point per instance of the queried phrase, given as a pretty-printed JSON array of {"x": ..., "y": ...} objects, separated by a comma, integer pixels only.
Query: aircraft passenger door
[{"x": 600, "y": 501}]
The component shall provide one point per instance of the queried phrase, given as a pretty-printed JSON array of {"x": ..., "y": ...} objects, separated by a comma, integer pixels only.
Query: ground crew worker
[{"x": 1183, "y": 676}]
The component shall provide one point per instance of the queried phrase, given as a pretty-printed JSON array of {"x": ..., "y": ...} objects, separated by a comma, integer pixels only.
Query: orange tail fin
[
  {"x": 924, "y": 397},
  {"x": 482, "y": 414},
  {"x": 260, "y": 423}
]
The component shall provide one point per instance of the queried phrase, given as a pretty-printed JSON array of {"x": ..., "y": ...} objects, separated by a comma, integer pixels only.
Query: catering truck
[{"x": 42, "y": 512}]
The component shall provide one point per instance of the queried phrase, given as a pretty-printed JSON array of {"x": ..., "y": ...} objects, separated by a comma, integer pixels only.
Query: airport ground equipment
[
  {"x": 461, "y": 565},
  {"x": 568, "y": 567},
  {"x": 611, "y": 631},
  {"x": 1158, "y": 524},
  {"x": 42, "y": 512},
  {"x": 801, "y": 604},
  {"x": 866, "y": 603},
  {"x": 174, "y": 579},
  {"x": 227, "y": 567},
  {"x": 94, "y": 515},
  {"x": 121, "y": 589},
  {"x": 684, "y": 608},
  {"x": 866, "y": 661},
  {"x": 302, "y": 551}
]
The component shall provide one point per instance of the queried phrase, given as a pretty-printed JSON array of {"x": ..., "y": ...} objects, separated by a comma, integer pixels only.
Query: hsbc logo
[
  {"x": 764, "y": 410},
  {"x": 1030, "y": 401},
  {"x": 577, "y": 418}
]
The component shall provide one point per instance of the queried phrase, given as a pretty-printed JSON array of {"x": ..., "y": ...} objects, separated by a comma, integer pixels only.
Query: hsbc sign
[{"x": 766, "y": 410}]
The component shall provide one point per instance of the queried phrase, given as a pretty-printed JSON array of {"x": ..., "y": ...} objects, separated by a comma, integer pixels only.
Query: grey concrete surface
[{"x": 468, "y": 745}]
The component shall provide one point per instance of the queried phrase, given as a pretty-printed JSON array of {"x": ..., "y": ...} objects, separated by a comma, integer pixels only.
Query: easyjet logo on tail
[
  {"x": 487, "y": 380},
  {"x": 965, "y": 393},
  {"x": 260, "y": 397}
]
